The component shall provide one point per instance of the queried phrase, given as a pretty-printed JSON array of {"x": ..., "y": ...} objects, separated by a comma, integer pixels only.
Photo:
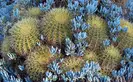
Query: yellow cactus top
[
  {"x": 112, "y": 52},
  {"x": 96, "y": 22},
  {"x": 125, "y": 23},
  {"x": 60, "y": 15}
]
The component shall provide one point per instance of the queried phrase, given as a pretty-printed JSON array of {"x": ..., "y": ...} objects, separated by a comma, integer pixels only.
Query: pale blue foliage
[
  {"x": 46, "y": 6},
  {"x": 90, "y": 72},
  {"x": 70, "y": 47},
  {"x": 112, "y": 13},
  {"x": 129, "y": 6},
  {"x": 106, "y": 42},
  {"x": 127, "y": 65},
  {"x": 50, "y": 77},
  {"x": 54, "y": 66}
]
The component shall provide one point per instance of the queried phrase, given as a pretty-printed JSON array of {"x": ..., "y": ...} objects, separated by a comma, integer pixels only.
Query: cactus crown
[
  {"x": 96, "y": 22},
  {"x": 125, "y": 23},
  {"x": 24, "y": 35},
  {"x": 113, "y": 52},
  {"x": 72, "y": 63},
  {"x": 59, "y": 17}
]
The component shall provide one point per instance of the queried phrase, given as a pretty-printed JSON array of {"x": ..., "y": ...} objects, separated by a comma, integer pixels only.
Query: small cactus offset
[
  {"x": 34, "y": 11},
  {"x": 110, "y": 59},
  {"x": 126, "y": 38},
  {"x": 57, "y": 25},
  {"x": 97, "y": 32},
  {"x": 24, "y": 35},
  {"x": 37, "y": 61},
  {"x": 72, "y": 63}
]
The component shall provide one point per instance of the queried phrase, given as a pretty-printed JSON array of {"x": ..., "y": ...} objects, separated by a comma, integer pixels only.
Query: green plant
[
  {"x": 24, "y": 35},
  {"x": 57, "y": 25},
  {"x": 97, "y": 32},
  {"x": 37, "y": 61},
  {"x": 110, "y": 59},
  {"x": 126, "y": 38},
  {"x": 72, "y": 63}
]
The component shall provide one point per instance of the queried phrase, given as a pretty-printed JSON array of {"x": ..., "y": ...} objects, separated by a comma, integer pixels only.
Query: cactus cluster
[
  {"x": 57, "y": 25},
  {"x": 72, "y": 63},
  {"x": 37, "y": 61},
  {"x": 24, "y": 35},
  {"x": 97, "y": 32},
  {"x": 110, "y": 59},
  {"x": 126, "y": 38}
]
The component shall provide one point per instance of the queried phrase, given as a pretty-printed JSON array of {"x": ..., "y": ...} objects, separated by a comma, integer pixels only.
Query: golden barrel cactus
[
  {"x": 24, "y": 35},
  {"x": 97, "y": 32},
  {"x": 125, "y": 38},
  {"x": 37, "y": 61},
  {"x": 57, "y": 25},
  {"x": 110, "y": 59}
]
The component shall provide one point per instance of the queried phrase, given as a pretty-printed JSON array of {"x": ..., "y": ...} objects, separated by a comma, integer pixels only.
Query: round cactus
[
  {"x": 57, "y": 25},
  {"x": 97, "y": 32},
  {"x": 34, "y": 11},
  {"x": 110, "y": 59},
  {"x": 72, "y": 63},
  {"x": 5, "y": 47},
  {"x": 90, "y": 56},
  {"x": 126, "y": 38},
  {"x": 37, "y": 61},
  {"x": 24, "y": 35}
]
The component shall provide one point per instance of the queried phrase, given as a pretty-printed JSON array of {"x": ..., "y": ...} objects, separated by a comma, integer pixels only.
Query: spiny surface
[
  {"x": 126, "y": 39},
  {"x": 24, "y": 35},
  {"x": 57, "y": 25},
  {"x": 110, "y": 59},
  {"x": 97, "y": 32}
]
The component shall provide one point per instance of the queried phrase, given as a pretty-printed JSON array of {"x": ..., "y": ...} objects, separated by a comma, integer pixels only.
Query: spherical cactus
[
  {"x": 34, "y": 11},
  {"x": 24, "y": 35},
  {"x": 90, "y": 56},
  {"x": 110, "y": 59},
  {"x": 5, "y": 47},
  {"x": 57, "y": 25},
  {"x": 37, "y": 61},
  {"x": 97, "y": 32},
  {"x": 72, "y": 63},
  {"x": 126, "y": 38}
]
